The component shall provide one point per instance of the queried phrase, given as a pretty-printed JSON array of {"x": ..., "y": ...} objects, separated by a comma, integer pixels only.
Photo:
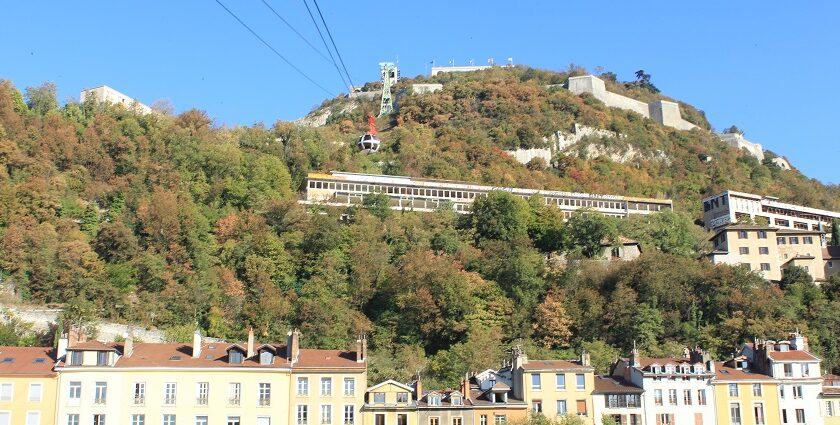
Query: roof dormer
[
  {"x": 236, "y": 354},
  {"x": 266, "y": 354}
]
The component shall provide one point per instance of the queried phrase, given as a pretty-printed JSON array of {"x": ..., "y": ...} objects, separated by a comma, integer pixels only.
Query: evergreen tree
[
  {"x": 835, "y": 233},
  {"x": 90, "y": 220}
]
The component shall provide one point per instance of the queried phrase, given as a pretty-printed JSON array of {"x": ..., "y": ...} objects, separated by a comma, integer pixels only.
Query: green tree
[
  {"x": 647, "y": 325},
  {"x": 835, "y": 233},
  {"x": 500, "y": 216},
  {"x": 378, "y": 204},
  {"x": 90, "y": 220},
  {"x": 588, "y": 232},
  {"x": 42, "y": 99},
  {"x": 601, "y": 354},
  {"x": 795, "y": 274}
]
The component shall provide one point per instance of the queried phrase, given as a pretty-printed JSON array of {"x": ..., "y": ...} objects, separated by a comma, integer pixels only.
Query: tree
[
  {"x": 835, "y": 233},
  {"x": 500, "y": 216},
  {"x": 795, "y": 274},
  {"x": 42, "y": 99},
  {"x": 551, "y": 324},
  {"x": 647, "y": 325},
  {"x": 378, "y": 204},
  {"x": 642, "y": 82},
  {"x": 733, "y": 129},
  {"x": 90, "y": 220},
  {"x": 601, "y": 354},
  {"x": 588, "y": 232}
]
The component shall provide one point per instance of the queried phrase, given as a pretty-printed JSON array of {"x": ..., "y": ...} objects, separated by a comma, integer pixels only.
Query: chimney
[
  {"x": 293, "y": 346},
  {"x": 585, "y": 359},
  {"x": 61, "y": 349},
  {"x": 519, "y": 357},
  {"x": 465, "y": 386},
  {"x": 797, "y": 341},
  {"x": 361, "y": 348},
  {"x": 196, "y": 346},
  {"x": 418, "y": 388},
  {"x": 128, "y": 347},
  {"x": 634, "y": 356},
  {"x": 250, "y": 343}
]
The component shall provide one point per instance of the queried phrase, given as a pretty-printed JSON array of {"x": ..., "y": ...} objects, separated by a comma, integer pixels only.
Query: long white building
[
  {"x": 417, "y": 194},
  {"x": 727, "y": 207},
  {"x": 105, "y": 94}
]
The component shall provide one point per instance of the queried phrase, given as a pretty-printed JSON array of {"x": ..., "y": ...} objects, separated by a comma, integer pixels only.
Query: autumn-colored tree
[{"x": 552, "y": 327}]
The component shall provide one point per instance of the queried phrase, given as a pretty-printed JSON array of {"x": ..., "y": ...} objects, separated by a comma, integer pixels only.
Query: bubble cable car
[{"x": 369, "y": 143}]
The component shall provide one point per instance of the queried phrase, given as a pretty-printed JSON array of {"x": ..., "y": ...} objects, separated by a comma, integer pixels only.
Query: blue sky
[{"x": 764, "y": 66}]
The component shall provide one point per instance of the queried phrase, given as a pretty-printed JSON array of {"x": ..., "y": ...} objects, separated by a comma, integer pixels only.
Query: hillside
[{"x": 167, "y": 221}]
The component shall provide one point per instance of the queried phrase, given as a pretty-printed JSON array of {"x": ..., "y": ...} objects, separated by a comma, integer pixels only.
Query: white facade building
[
  {"x": 727, "y": 207},
  {"x": 105, "y": 94}
]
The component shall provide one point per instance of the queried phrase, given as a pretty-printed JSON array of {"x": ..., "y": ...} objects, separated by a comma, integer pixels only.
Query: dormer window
[
  {"x": 698, "y": 369},
  {"x": 657, "y": 369},
  {"x": 76, "y": 358},
  {"x": 102, "y": 358},
  {"x": 434, "y": 399},
  {"x": 670, "y": 369},
  {"x": 402, "y": 397},
  {"x": 235, "y": 356},
  {"x": 455, "y": 400},
  {"x": 266, "y": 357}
]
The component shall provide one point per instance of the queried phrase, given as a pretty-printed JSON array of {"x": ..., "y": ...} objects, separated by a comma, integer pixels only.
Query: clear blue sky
[{"x": 767, "y": 67}]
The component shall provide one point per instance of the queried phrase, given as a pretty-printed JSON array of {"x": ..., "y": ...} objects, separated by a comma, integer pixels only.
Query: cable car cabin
[{"x": 368, "y": 143}]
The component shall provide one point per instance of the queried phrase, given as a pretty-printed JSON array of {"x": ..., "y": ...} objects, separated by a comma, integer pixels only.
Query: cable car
[{"x": 369, "y": 143}]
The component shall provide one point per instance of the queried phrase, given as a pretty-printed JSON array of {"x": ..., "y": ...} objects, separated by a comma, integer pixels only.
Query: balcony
[
  {"x": 201, "y": 401},
  {"x": 169, "y": 400},
  {"x": 99, "y": 400},
  {"x": 265, "y": 402},
  {"x": 233, "y": 401},
  {"x": 139, "y": 400}
]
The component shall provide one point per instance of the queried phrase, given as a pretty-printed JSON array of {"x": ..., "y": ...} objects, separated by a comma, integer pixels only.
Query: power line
[
  {"x": 332, "y": 41},
  {"x": 320, "y": 34},
  {"x": 319, "y": 52},
  {"x": 288, "y": 62}
]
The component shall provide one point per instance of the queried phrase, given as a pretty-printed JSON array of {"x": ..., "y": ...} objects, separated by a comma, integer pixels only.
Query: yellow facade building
[
  {"x": 27, "y": 386},
  {"x": 555, "y": 388},
  {"x": 745, "y": 397},
  {"x": 390, "y": 403},
  {"x": 830, "y": 400}
]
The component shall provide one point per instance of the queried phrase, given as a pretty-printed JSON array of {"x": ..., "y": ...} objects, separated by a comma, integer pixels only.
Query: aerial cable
[
  {"x": 311, "y": 16},
  {"x": 332, "y": 41},
  {"x": 288, "y": 62},
  {"x": 318, "y": 51}
]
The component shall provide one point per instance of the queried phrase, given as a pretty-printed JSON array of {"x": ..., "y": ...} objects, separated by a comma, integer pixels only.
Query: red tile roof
[
  {"x": 793, "y": 355},
  {"x": 180, "y": 355},
  {"x": 93, "y": 345},
  {"x": 312, "y": 358},
  {"x": 615, "y": 385},
  {"x": 27, "y": 361},
  {"x": 726, "y": 373}
]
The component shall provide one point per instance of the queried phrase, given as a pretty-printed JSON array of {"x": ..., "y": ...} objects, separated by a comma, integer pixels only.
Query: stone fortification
[
  {"x": 559, "y": 141},
  {"x": 662, "y": 111},
  {"x": 737, "y": 141}
]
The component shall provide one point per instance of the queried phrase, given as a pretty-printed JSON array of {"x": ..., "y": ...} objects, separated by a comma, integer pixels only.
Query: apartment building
[
  {"x": 768, "y": 250},
  {"x": 744, "y": 396},
  {"x": 618, "y": 399},
  {"x": 492, "y": 399},
  {"x": 418, "y": 194},
  {"x": 830, "y": 399},
  {"x": 831, "y": 261},
  {"x": 27, "y": 385},
  {"x": 677, "y": 390},
  {"x": 171, "y": 384},
  {"x": 730, "y": 206},
  {"x": 554, "y": 388},
  {"x": 797, "y": 372},
  {"x": 389, "y": 403}
]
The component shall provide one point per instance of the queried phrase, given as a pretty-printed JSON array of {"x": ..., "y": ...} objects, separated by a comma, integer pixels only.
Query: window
[
  {"x": 757, "y": 390},
  {"x": 326, "y": 414},
  {"x": 560, "y": 381},
  {"x": 784, "y": 416},
  {"x": 665, "y": 419},
  {"x": 797, "y": 391},
  {"x": 794, "y": 240},
  {"x": 263, "y": 420},
  {"x": 788, "y": 369},
  {"x": 455, "y": 400},
  {"x": 35, "y": 392},
  {"x": 202, "y": 393},
  {"x": 233, "y": 420},
  {"x": 535, "y": 381},
  {"x": 326, "y": 386},
  {"x": 349, "y": 415},
  {"x": 765, "y": 267},
  {"x": 581, "y": 408},
  {"x": 234, "y": 393},
  {"x": 138, "y": 419},
  {"x": 800, "y": 416},
  {"x": 499, "y": 419},
  {"x": 672, "y": 397},
  {"x": 434, "y": 421},
  {"x": 265, "y": 394},
  {"x": 805, "y": 369},
  {"x": 201, "y": 420},
  {"x": 744, "y": 250},
  {"x": 536, "y": 406},
  {"x": 5, "y": 392},
  {"x": 303, "y": 386},
  {"x": 762, "y": 234},
  {"x": 562, "y": 410},
  {"x": 829, "y": 408},
  {"x": 302, "y": 414},
  {"x": 733, "y": 390},
  {"x": 781, "y": 391},
  {"x": 831, "y": 264},
  {"x": 701, "y": 397},
  {"x": 758, "y": 413},
  {"x": 98, "y": 419},
  {"x": 402, "y": 397},
  {"x": 72, "y": 419},
  {"x": 349, "y": 386},
  {"x": 457, "y": 421},
  {"x": 379, "y": 419},
  {"x": 170, "y": 389},
  {"x": 433, "y": 399},
  {"x": 100, "y": 393},
  {"x": 74, "y": 392},
  {"x": 139, "y": 392},
  {"x": 168, "y": 419},
  {"x": 266, "y": 357},
  {"x": 780, "y": 240},
  {"x": 808, "y": 240},
  {"x": 482, "y": 420},
  {"x": 687, "y": 397},
  {"x": 742, "y": 234},
  {"x": 102, "y": 358},
  {"x": 763, "y": 250},
  {"x": 735, "y": 413},
  {"x": 580, "y": 381},
  {"x": 235, "y": 356},
  {"x": 657, "y": 397},
  {"x": 379, "y": 398},
  {"x": 33, "y": 418}
]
